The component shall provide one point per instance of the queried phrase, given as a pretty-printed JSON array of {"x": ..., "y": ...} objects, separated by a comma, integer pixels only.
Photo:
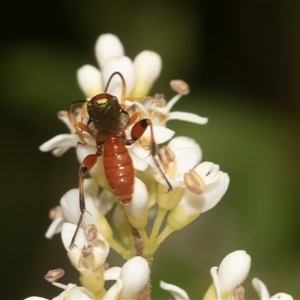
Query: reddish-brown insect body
[
  {"x": 107, "y": 122},
  {"x": 118, "y": 168}
]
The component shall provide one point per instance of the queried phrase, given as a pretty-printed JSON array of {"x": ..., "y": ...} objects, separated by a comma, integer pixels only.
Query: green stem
[
  {"x": 164, "y": 234},
  {"x": 157, "y": 223},
  {"x": 120, "y": 249},
  {"x": 144, "y": 236}
]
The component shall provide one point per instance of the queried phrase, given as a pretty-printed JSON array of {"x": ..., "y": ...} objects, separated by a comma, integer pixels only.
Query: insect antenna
[{"x": 123, "y": 84}]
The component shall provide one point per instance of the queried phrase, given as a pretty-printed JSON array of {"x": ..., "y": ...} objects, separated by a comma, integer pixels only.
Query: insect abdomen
[{"x": 119, "y": 169}]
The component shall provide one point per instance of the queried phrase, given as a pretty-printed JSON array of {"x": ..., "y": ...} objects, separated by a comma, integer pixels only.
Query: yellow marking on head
[{"x": 102, "y": 101}]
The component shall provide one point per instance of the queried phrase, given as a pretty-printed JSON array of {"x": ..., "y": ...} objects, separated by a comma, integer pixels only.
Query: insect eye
[{"x": 114, "y": 99}]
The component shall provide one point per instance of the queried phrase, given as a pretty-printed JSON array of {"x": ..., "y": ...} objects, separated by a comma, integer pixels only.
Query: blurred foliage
[{"x": 242, "y": 62}]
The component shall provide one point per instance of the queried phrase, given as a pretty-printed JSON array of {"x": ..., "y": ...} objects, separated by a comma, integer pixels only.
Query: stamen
[
  {"x": 180, "y": 87},
  {"x": 90, "y": 232},
  {"x": 54, "y": 275},
  {"x": 194, "y": 182},
  {"x": 239, "y": 293}
]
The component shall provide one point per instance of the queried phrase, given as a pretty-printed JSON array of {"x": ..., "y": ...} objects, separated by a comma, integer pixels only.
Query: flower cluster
[{"x": 197, "y": 186}]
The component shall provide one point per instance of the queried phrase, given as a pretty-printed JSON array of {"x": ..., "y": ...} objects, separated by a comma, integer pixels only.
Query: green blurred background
[{"x": 242, "y": 61}]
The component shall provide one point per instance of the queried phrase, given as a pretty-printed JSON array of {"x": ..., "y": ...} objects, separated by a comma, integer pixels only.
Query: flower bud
[
  {"x": 123, "y": 65},
  {"x": 232, "y": 271},
  {"x": 89, "y": 80},
  {"x": 137, "y": 209},
  {"x": 108, "y": 46},
  {"x": 147, "y": 66},
  {"x": 134, "y": 275}
]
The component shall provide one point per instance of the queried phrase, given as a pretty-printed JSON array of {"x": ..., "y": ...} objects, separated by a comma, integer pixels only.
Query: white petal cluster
[{"x": 139, "y": 76}]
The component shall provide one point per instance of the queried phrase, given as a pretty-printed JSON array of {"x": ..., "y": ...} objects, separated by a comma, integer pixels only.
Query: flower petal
[
  {"x": 68, "y": 230},
  {"x": 64, "y": 117},
  {"x": 216, "y": 282},
  {"x": 73, "y": 292},
  {"x": 114, "y": 291},
  {"x": 139, "y": 163},
  {"x": 233, "y": 270},
  {"x": 108, "y": 46},
  {"x": 161, "y": 134},
  {"x": 147, "y": 66},
  {"x": 112, "y": 273},
  {"x": 214, "y": 192},
  {"x": 71, "y": 210},
  {"x": 206, "y": 168},
  {"x": 123, "y": 65},
  {"x": 187, "y": 152},
  {"x": 137, "y": 210},
  {"x": 106, "y": 201},
  {"x": 89, "y": 80},
  {"x": 261, "y": 289},
  {"x": 188, "y": 117},
  {"x": 59, "y": 144},
  {"x": 177, "y": 292},
  {"x": 135, "y": 274},
  {"x": 55, "y": 227}
]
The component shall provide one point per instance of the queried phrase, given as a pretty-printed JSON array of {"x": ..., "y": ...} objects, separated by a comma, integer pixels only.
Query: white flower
[
  {"x": 90, "y": 250},
  {"x": 110, "y": 55},
  {"x": 96, "y": 205},
  {"x": 232, "y": 271},
  {"x": 130, "y": 280},
  {"x": 201, "y": 185},
  {"x": 263, "y": 292},
  {"x": 147, "y": 65},
  {"x": 90, "y": 80}
]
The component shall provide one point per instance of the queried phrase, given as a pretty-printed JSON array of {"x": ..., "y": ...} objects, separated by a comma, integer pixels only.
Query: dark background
[{"x": 242, "y": 61}]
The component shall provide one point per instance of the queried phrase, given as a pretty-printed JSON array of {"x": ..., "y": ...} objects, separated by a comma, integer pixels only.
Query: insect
[{"x": 107, "y": 122}]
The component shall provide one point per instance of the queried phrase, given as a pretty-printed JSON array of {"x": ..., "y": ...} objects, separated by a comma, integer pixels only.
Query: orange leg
[
  {"x": 80, "y": 127},
  {"x": 136, "y": 133},
  {"x": 70, "y": 113},
  {"x": 86, "y": 165}
]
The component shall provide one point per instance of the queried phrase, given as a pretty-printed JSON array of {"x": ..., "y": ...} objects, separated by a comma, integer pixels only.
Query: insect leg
[
  {"x": 137, "y": 131},
  {"x": 86, "y": 165},
  {"x": 70, "y": 113},
  {"x": 79, "y": 126}
]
